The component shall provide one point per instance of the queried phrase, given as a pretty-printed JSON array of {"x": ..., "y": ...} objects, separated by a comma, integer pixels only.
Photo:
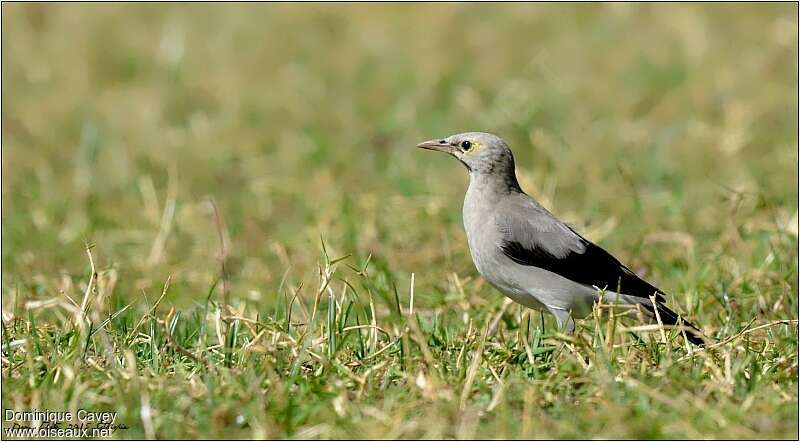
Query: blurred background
[
  {"x": 665, "y": 132},
  {"x": 175, "y": 137}
]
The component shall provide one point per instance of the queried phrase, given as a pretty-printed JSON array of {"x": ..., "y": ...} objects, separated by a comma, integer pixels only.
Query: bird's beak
[{"x": 439, "y": 145}]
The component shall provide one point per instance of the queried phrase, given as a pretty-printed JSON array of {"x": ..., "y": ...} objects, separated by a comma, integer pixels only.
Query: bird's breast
[{"x": 483, "y": 238}]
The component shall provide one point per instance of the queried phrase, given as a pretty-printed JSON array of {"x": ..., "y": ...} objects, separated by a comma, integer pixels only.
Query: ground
[{"x": 274, "y": 259}]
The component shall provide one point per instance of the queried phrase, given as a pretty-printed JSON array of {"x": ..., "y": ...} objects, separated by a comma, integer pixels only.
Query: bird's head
[{"x": 481, "y": 152}]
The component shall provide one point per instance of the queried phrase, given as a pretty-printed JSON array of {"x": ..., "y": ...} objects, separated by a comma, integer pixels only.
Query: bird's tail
[{"x": 669, "y": 317}]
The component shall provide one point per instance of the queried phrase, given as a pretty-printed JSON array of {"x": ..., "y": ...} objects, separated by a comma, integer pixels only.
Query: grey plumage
[{"x": 527, "y": 253}]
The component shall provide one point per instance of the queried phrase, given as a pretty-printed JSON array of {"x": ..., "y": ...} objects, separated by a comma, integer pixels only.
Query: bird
[{"x": 531, "y": 256}]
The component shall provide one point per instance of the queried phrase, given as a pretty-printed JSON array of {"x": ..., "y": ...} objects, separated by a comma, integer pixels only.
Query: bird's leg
[
  {"x": 564, "y": 319},
  {"x": 565, "y": 325}
]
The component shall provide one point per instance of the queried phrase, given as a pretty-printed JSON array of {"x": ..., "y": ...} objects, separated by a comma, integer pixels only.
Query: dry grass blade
[
  {"x": 478, "y": 354},
  {"x": 171, "y": 339},
  {"x": 223, "y": 253},
  {"x": 90, "y": 286},
  {"x": 745, "y": 331},
  {"x": 658, "y": 319},
  {"x": 151, "y": 311}
]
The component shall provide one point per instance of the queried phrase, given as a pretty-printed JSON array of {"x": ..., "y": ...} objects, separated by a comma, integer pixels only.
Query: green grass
[{"x": 205, "y": 154}]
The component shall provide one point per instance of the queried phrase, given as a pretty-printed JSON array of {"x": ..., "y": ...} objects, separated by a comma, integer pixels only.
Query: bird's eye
[{"x": 466, "y": 145}]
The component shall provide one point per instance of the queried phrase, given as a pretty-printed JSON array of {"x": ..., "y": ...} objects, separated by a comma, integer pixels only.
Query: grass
[{"x": 244, "y": 181}]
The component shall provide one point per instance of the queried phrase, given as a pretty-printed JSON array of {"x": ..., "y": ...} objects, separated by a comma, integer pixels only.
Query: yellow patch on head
[{"x": 474, "y": 147}]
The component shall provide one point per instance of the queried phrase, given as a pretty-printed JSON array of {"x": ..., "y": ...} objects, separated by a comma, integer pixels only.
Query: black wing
[
  {"x": 593, "y": 267},
  {"x": 532, "y": 236}
]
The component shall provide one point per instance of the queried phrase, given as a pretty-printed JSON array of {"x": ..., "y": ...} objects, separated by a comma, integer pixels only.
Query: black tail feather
[{"x": 668, "y": 317}]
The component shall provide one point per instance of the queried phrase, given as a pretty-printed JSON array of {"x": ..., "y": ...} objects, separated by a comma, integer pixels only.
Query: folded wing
[{"x": 532, "y": 236}]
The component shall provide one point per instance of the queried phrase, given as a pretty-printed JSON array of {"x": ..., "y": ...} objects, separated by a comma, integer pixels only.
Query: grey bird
[{"x": 528, "y": 254}]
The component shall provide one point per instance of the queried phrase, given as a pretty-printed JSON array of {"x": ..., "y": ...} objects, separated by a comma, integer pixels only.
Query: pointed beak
[{"x": 438, "y": 145}]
